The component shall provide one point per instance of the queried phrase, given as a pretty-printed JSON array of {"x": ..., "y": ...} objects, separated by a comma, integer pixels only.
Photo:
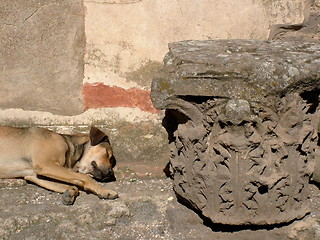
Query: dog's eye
[
  {"x": 112, "y": 161},
  {"x": 108, "y": 154},
  {"x": 94, "y": 164}
]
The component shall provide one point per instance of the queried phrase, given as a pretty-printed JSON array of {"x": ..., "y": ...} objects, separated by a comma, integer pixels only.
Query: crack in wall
[
  {"x": 34, "y": 12},
  {"x": 115, "y": 2}
]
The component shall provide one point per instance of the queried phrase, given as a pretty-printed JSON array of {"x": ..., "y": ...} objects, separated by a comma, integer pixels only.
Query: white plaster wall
[{"x": 124, "y": 35}]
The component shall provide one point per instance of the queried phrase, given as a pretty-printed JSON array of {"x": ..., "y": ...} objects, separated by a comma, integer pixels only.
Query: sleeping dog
[{"x": 60, "y": 163}]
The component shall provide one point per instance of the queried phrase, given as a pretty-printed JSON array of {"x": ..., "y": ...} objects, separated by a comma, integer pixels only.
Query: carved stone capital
[{"x": 242, "y": 122}]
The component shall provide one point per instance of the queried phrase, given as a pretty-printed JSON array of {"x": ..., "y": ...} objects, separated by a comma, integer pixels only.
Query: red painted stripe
[{"x": 98, "y": 95}]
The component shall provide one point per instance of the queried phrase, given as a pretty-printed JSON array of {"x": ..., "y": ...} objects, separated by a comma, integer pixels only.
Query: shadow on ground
[{"x": 146, "y": 209}]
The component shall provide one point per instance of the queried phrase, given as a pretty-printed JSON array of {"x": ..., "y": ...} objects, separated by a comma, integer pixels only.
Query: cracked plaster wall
[
  {"x": 41, "y": 55},
  {"x": 103, "y": 53},
  {"x": 127, "y": 39}
]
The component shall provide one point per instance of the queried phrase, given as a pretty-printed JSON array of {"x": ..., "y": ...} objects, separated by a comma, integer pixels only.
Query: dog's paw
[
  {"x": 69, "y": 196},
  {"x": 108, "y": 194}
]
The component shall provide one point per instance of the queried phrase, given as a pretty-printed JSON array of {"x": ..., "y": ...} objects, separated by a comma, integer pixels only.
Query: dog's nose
[
  {"x": 109, "y": 176},
  {"x": 102, "y": 175},
  {"x": 110, "y": 172}
]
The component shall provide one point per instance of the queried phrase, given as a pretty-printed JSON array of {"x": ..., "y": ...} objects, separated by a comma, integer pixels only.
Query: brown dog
[{"x": 58, "y": 162}]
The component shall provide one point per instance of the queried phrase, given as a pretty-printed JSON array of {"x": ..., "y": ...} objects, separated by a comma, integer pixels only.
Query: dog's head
[{"x": 98, "y": 160}]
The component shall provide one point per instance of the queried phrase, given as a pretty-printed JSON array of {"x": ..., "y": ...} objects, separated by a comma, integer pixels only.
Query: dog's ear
[{"x": 97, "y": 136}]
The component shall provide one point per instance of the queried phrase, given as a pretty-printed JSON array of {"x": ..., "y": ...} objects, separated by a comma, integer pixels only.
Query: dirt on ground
[{"x": 147, "y": 209}]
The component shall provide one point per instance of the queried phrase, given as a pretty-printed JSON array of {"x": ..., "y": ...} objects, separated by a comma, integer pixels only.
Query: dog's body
[{"x": 60, "y": 163}]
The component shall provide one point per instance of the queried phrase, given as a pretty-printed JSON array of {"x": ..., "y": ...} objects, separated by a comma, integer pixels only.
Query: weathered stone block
[
  {"x": 242, "y": 121},
  {"x": 41, "y": 55}
]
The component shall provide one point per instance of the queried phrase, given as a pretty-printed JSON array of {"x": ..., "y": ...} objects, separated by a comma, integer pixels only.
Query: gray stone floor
[{"x": 146, "y": 209}]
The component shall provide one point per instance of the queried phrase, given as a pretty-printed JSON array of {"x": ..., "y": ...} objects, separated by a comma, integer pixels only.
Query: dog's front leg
[
  {"x": 57, "y": 172},
  {"x": 69, "y": 192}
]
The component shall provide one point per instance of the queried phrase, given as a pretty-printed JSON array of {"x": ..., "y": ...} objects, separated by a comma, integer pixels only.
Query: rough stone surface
[
  {"x": 242, "y": 121},
  {"x": 41, "y": 55},
  {"x": 245, "y": 69},
  {"x": 146, "y": 209}
]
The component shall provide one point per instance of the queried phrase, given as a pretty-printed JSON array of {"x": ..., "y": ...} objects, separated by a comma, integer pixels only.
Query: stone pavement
[{"x": 147, "y": 209}]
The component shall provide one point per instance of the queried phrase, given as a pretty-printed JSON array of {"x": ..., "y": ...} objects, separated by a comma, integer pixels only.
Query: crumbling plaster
[{"x": 125, "y": 36}]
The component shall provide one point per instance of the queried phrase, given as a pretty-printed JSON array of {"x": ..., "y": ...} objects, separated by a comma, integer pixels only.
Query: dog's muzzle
[{"x": 102, "y": 175}]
